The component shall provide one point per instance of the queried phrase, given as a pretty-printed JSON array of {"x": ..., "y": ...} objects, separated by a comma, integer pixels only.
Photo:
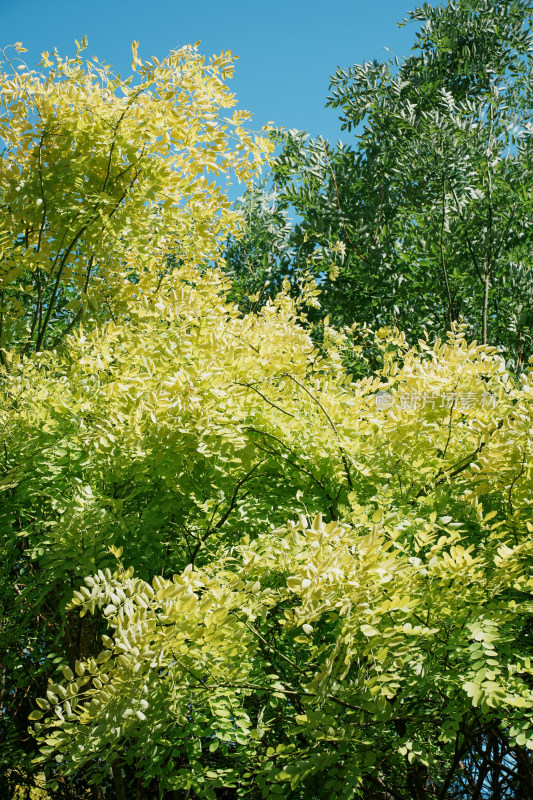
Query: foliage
[
  {"x": 107, "y": 187},
  {"x": 427, "y": 219},
  {"x": 255, "y": 575},
  {"x": 106, "y": 183},
  {"x": 231, "y": 565},
  {"x": 262, "y": 258}
]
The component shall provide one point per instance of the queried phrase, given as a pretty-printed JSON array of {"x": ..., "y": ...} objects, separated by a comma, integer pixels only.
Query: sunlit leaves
[
  {"x": 228, "y": 562},
  {"x": 312, "y": 555},
  {"x": 107, "y": 184}
]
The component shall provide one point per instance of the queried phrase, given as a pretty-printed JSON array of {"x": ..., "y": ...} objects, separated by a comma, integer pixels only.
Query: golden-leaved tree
[
  {"x": 107, "y": 184},
  {"x": 232, "y": 570}
]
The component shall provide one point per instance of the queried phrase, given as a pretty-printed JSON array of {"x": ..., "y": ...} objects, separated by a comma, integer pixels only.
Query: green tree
[{"x": 428, "y": 219}]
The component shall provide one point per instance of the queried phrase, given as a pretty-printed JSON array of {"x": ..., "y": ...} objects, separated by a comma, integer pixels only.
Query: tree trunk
[{"x": 118, "y": 781}]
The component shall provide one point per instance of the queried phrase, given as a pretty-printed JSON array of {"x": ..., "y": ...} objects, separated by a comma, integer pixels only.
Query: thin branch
[
  {"x": 380, "y": 209},
  {"x": 294, "y": 464},
  {"x": 442, "y": 259},
  {"x": 251, "y": 386},
  {"x": 358, "y": 254},
  {"x": 43, "y": 196},
  {"x": 62, "y": 264},
  {"x": 456, "y": 469},
  {"x": 333, "y": 426},
  {"x": 467, "y": 238},
  {"x": 79, "y": 313},
  {"x": 226, "y": 514}
]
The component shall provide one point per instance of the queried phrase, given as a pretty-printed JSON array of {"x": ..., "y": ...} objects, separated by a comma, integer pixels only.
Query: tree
[
  {"x": 262, "y": 257},
  {"x": 105, "y": 185},
  {"x": 261, "y": 577},
  {"x": 428, "y": 219},
  {"x": 107, "y": 197},
  {"x": 232, "y": 569}
]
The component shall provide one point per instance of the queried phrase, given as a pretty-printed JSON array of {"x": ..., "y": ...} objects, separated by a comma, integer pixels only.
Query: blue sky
[{"x": 287, "y": 48}]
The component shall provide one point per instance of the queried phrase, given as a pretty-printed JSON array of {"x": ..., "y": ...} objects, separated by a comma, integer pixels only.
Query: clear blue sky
[{"x": 287, "y": 48}]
